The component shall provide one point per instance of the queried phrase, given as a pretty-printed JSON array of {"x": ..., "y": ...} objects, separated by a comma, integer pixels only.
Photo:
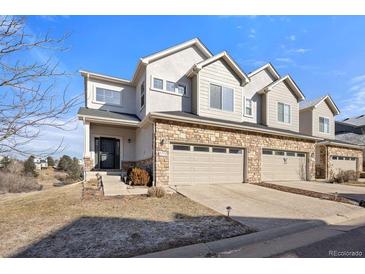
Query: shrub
[
  {"x": 345, "y": 176},
  {"x": 15, "y": 167},
  {"x": 15, "y": 183},
  {"x": 5, "y": 162},
  {"x": 71, "y": 167},
  {"x": 29, "y": 166},
  {"x": 139, "y": 177},
  {"x": 50, "y": 161},
  {"x": 154, "y": 191}
]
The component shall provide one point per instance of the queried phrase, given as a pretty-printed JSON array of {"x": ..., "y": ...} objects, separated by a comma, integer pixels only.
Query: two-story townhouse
[
  {"x": 317, "y": 118},
  {"x": 191, "y": 117}
]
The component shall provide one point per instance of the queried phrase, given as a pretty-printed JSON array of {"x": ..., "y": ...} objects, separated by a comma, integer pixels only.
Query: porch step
[{"x": 113, "y": 186}]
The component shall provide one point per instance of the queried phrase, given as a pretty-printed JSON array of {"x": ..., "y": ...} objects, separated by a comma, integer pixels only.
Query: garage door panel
[
  {"x": 283, "y": 167},
  {"x": 192, "y": 167},
  {"x": 340, "y": 163}
]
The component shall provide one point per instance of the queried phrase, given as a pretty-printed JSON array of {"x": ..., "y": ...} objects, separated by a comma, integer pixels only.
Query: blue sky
[{"x": 324, "y": 54}]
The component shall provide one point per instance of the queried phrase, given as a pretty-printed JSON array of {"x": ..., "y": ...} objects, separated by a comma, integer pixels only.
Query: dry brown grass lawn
[{"x": 58, "y": 223}]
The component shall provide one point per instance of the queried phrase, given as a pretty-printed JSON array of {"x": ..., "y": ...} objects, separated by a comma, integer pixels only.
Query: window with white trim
[
  {"x": 181, "y": 89},
  {"x": 284, "y": 113},
  {"x": 324, "y": 125},
  {"x": 158, "y": 83},
  {"x": 107, "y": 96},
  {"x": 170, "y": 86},
  {"x": 143, "y": 96},
  {"x": 221, "y": 97},
  {"x": 248, "y": 107}
]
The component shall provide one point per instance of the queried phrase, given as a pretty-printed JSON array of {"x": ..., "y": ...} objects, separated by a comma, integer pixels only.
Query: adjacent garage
[
  {"x": 343, "y": 163},
  {"x": 201, "y": 164},
  {"x": 281, "y": 165}
]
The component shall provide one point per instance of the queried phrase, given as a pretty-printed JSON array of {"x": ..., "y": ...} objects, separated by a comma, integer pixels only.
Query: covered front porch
[{"x": 113, "y": 142}]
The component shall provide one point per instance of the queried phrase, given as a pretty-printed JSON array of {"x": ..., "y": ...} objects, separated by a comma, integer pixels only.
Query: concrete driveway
[
  {"x": 356, "y": 193},
  {"x": 264, "y": 208}
]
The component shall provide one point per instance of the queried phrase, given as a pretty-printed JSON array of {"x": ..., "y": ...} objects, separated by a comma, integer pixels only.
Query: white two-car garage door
[
  {"x": 343, "y": 163},
  {"x": 279, "y": 165},
  {"x": 197, "y": 164}
]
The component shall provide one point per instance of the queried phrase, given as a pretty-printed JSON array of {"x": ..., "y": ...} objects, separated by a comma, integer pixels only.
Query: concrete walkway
[
  {"x": 263, "y": 208},
  {"x": 113, "y": 186},
  {"x": 356, "y": 193}
]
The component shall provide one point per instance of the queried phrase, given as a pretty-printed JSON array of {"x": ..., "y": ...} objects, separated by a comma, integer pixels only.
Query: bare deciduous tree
[{"x": 29, "y": 97}]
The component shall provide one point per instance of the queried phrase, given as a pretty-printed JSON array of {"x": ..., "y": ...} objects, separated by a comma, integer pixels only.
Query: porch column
[{"x": 86, "y": 139}]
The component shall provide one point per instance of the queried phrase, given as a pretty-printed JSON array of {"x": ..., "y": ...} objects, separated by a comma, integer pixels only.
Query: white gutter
[
  {"x": 155, "y": 115},
  {"x": 109, "y": 120}
]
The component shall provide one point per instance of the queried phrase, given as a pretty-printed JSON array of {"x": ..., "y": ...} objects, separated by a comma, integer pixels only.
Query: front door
[{"x": 108, "y": 153}]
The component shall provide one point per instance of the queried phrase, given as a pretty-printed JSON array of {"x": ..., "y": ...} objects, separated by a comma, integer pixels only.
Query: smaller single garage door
[
  {"x": 343, "y": 163},
  {"x": 199, "y": 164},
  {"x": 281, "y": 165}
]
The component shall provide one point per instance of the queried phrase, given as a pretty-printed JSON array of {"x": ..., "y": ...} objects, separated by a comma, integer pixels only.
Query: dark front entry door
[{"x": 109, "y": 153}]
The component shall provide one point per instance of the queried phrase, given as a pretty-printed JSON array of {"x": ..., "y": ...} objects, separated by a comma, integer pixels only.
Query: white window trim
[
  {"x": 164, "y": 90},
  {"x": 319, "y": 125},
  {"x": 290, "y": 112},
  {"x": 140, "y": 96},
  {"x": 95, "y": 101},
  {"x": 221, "y": 109},
  {"x": 244, "y": 107}
]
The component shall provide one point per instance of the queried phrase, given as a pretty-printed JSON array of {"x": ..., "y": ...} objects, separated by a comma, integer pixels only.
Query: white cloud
[
  {"x": 252, "y": 33},
  {"x": 285, "y": 60},
  {"x": 299, "y": 50},
  {"x": 357, "y": 79},
  {"x": 355, "y": 97},
  {"x": 292, "y": 37}
]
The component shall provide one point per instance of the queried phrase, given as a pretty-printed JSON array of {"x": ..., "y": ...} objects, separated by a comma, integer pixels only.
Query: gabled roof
[
  {"x": 290, "y": 82},
  {"x": 228, "y": 59},
  {"x": 105, "y": 77},
  {"x": 269, "y": 67},
  {"x": 158, "y": 55},
  {"x": 357, "y": 121},
  {"x": 314, "y": 103}
]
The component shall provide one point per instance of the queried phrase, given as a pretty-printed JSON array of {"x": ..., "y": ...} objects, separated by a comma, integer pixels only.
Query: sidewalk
[{"x": 267, "y": 243}]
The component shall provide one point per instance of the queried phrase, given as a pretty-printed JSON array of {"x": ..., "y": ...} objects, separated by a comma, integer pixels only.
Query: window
[
  {"x": 181, "y": 89},
  {"x": 248, "y": 107},
  {"x": 291, "y": 154},
  {"x": 157, "y": 83},
  {"x": 181, "y": 147},
  {"x": 324, "y": 125},
  {"x": 201, "y": 149},
  {"x": 170, "y": 86},
  {"x": 353, "y": 159},
  {"x": 219, "y": 150},
  {"x": 235, "y": 151},
  {"x": 334, "y": 157},
  {"x": 107, "y": 96},
  {"x": 347, "y": 158},
  {"x": 267, "y": 151},
  {"x": 281, "y": 153},
  {"x": 142, "y": 102},
  {"x": 300, "y": 155},
  {"x": 284, "y": 113},
  {"x": 221, "y": 97},
  {"x": 215, "y": 96},
  {"x": 340, "y": 158}
]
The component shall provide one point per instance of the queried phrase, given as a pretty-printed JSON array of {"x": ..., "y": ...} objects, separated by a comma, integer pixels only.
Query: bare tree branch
[{"x": 29, "y": 98}]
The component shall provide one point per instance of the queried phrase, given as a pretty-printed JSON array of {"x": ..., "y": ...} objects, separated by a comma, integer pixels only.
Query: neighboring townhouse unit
[
  {"x": 189, "y": 116},
  {"x": 352, "y": 130},
  {"x": 317, "y": 118}
]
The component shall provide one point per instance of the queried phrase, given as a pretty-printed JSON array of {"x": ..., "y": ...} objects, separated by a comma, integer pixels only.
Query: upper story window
[
  {"x": 107, "y": 96},
  {"x": 221, "y": 97},
  {"x": 157, "y": 83},
  {"x": 170, "y": 86},
  {"x": 181, "y": 89},
  {"x": 284, "y": 114},
  {"x": 248, "y": 107},
  {"x": 324, "y": 125},
  {"x": 143, "y": 95}
]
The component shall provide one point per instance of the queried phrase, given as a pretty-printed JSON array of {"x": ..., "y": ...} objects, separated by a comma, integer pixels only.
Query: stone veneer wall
[
  {"x": 88, "y": 164},
  {"x": 321, "y": 162},
  {"x": 342, "y": 151},
  {"x": 168, "y": 132}
]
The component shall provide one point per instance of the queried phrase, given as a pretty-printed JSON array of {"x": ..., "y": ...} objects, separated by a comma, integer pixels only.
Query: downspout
[
  {"x": 327, "y": 162},
  {"x": 154, "y": 153}
]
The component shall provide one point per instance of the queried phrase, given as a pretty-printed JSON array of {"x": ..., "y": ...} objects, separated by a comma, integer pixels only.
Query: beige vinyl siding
[
  {"x": 219, "y": 73},
  {"x": 323, "y": 110},
  {"x": 282, "y": 94},
  {"x": 172, "y": 68},
  {"x": 306, "y": 122},
  {"x": 257, "y": 83}
]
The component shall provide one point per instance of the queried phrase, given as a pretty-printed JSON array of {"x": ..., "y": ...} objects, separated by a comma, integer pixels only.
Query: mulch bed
[{"x": 310, "y": 193}]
